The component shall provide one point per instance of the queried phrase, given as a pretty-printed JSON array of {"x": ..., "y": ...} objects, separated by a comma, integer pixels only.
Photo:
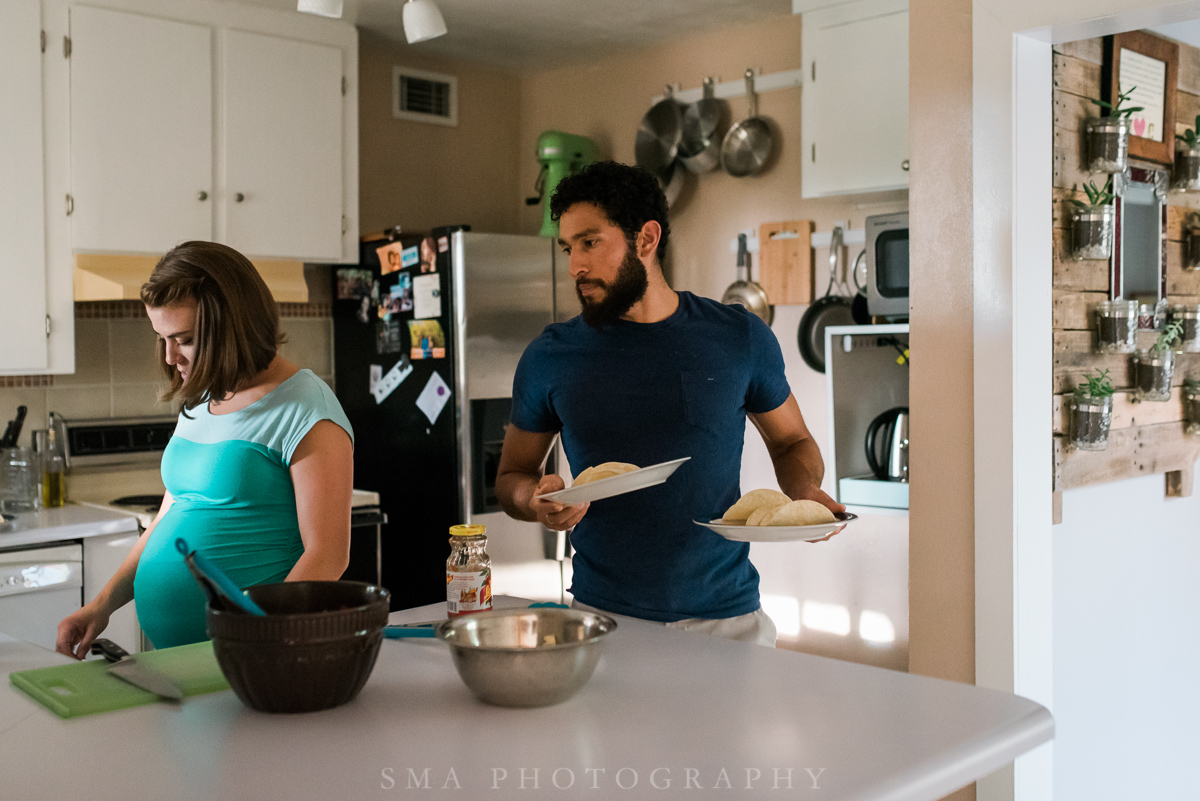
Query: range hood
[{"x": 120, "y": 277}]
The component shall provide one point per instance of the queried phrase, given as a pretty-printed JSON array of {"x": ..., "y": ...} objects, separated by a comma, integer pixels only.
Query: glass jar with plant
[
  {"x": 1188, "y": 317},
  {"x": 1091, "y": 412},
  {"x": 1108, "y": 136},
  {"x": 1156, "y": 367},
  {"x": 1092, "y": 222},
  {"x": 1117, "y": 326},
  {"x": 1186, "y": 175},
  {"x": 1191, "y": 242},
  {"x": 1191, "y": 405}
]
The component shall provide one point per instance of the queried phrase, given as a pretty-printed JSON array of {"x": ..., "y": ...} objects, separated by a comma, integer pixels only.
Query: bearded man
[{"x": 644, "y": 375}]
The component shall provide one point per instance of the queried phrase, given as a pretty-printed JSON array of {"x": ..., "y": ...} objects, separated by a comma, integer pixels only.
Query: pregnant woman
[{"x": 259, "y": 470}]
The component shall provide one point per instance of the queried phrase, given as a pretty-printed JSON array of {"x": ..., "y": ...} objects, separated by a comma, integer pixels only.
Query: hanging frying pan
[
  {"x": 747, "y": 145},
  {"x": 700, "y": 145},
  {"x": 829, "y": 310},
  {"x": 657, "y": 142}
]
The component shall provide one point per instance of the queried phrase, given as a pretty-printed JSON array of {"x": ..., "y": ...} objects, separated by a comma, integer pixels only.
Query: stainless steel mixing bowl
[{"x": 526, "y": 657}]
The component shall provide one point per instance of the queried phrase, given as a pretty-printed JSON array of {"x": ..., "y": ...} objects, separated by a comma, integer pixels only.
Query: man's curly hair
[{"x": 628, "y": 196}]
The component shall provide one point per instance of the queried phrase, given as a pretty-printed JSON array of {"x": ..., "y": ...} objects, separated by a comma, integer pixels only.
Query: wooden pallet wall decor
[{"x": 1145, "y": 438}]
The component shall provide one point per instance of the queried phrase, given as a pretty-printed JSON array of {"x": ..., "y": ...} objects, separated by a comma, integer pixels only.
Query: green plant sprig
[
  {"x": 1191, "y": 384},
  {"x": 1116, "y": 110},
  {"x": 1095, "y": 386},
  {"x": 1101, "y": 196},
  {"x": 1190, "y": 137},
  {"x": 1170, "y": 335}
]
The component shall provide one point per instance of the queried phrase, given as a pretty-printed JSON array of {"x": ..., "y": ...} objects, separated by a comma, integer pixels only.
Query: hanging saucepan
[
  {"x": 830, "y": 310},
  {"x": 746, "y": 292},
  {"x": 700, "y": 145},
  {"x": 747, "y": 144},
  {"x": 657, "y": 142}
]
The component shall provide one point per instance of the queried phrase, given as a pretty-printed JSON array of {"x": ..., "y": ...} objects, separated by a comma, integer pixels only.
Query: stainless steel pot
[
  {"x": 700, "y": 145},
  {"x": 745, "y": 292},
  {"x": 658, "y": 136},
  {"x": 747, "y": 145}
]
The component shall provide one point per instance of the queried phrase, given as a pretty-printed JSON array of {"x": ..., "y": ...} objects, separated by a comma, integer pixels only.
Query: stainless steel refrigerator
[{"x": 424, "y": 358}]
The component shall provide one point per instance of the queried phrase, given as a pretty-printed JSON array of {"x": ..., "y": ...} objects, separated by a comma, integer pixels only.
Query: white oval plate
[
  {"x": 739, "y": 532},
  {"x": 616, "y": 485}
]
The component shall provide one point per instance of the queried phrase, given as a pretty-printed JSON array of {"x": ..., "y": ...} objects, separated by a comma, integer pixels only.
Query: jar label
[{"x": 468, "y": 592}]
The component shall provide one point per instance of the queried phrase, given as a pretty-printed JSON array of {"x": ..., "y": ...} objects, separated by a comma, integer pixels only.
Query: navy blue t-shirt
[{"x": 646, "y": 393}]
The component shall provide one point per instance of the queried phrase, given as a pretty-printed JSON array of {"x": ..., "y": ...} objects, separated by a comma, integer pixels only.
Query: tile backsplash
[{"x": 117, "y": 372}]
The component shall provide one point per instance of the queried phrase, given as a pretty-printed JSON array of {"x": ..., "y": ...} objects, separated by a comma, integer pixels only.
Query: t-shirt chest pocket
[{"x": 712, "y": 399}]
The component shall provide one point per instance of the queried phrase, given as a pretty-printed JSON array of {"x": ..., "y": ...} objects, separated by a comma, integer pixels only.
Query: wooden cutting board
[
  {"x": 83, "y": 688},
  {"x": 785, "y": 261}
]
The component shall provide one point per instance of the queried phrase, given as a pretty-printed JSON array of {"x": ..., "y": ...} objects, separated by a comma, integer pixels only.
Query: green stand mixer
[{"x": 560, "y": 155}]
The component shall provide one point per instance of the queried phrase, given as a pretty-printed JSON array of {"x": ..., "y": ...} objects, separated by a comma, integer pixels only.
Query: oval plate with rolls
[{"x": 740, "y": 532}]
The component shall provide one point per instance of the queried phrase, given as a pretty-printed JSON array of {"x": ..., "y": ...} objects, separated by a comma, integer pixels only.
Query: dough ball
[
  {"x": 752, "y": 500},
  {"x": 800, "y": 513},
  {"x": 759, "y": 516},
  {"x": 606, "y": 470}
]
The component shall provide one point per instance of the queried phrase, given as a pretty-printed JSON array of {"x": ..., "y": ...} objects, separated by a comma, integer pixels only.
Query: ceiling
[{"x": 525, "y": 35}]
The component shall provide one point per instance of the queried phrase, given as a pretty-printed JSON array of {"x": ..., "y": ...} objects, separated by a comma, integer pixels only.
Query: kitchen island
[{"x": 666, "y": 711}]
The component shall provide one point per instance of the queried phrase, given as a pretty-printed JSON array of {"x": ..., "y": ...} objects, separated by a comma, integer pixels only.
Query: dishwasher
[{"x": 39, "y": 587}]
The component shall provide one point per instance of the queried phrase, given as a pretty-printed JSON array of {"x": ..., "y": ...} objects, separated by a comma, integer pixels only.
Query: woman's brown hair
[{"x": 237, "y": 322}]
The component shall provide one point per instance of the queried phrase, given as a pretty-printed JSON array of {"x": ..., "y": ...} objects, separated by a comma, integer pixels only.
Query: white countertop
[
  {"x": 661, "y": 704},
  {"x": 71, "y": 522}
]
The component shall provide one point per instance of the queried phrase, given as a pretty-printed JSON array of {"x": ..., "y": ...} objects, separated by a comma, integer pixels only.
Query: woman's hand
[{"x": 78, "y": 629}]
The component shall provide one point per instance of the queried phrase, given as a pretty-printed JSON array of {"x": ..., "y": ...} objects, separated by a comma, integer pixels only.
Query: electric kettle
[{"x": 890, "y": 428}]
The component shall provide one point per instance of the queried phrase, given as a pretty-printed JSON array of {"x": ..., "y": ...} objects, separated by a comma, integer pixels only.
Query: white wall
[{"x": 1126, "y": 642}]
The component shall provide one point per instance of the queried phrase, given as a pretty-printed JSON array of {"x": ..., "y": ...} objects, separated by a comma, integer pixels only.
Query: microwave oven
[{"x": 887, "y": 264}]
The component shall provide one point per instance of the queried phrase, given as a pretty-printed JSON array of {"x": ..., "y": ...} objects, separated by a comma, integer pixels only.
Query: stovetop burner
[{"x": 139, "y": 500}]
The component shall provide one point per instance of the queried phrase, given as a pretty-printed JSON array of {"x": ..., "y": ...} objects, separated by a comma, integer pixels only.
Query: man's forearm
[
  {"x": 799, "y": 468},
  {"x": 514, "y": 491}
]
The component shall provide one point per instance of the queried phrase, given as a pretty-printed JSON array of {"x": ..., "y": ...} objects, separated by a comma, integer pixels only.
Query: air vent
[{"x": 422, "y": 96}]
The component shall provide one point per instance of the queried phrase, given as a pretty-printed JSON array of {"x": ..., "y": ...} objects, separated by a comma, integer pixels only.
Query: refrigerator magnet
[
  {"x": 390, "y": 257},
  {"x": 427, "y": 338},
  {"x": 389, "y": 337},
  {"x": 391, "y": 379},
  {"x": 434, "y": 397},
  {"x": 428, "y": 256},
  {"x": 353, "y": 283},
  {"x": 409, "y": 256},
  {"x": 427, "y": 296},
  {"x": 403, "y": 291},
  {"x": 375, "y": 376}
]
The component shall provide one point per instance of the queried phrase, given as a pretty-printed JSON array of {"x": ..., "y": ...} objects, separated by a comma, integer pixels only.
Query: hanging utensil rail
[{"x": 788, "y": 79}]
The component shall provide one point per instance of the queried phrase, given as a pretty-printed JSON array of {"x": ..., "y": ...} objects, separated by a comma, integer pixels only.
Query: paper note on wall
[
  {"x": 434, "y": 397},
  {"x": 427, "y": 296},
  {"x": 392, "y": 379}
]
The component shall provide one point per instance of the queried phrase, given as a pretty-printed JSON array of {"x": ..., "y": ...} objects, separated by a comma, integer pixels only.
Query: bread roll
[
  {"x": 799, "y": 513},
  {"x": 752, "y": 500}
]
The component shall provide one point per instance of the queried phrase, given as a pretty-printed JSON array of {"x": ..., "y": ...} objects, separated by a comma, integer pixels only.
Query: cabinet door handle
[
  {"x": 239, "y": 197},
  {"x": 202, "y": 195},
  {"x": 904, "y": 165}
]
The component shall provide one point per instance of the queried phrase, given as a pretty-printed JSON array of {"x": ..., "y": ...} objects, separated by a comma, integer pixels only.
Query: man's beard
[{"x": 627, "y": 289}]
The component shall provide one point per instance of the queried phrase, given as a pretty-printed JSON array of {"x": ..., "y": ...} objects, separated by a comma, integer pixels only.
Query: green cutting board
[{"x": 84, "y": 688}]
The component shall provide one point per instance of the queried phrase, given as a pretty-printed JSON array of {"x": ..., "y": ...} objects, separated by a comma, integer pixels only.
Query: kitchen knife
[
  {"x": 125, "y": 668},
  {"x": 18, "y": 424}
]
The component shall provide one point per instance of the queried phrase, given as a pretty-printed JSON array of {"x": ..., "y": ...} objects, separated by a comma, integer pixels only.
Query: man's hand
[
  {"x": 553, "y": 515},
  {"x": 815, "y": 494}
]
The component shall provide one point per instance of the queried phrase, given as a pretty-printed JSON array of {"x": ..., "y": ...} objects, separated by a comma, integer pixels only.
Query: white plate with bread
[
  {"x": 613, "y": 478},
  {"x": 767, "y": 515}
]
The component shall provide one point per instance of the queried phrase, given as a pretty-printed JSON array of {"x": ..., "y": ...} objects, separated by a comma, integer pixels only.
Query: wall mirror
[{"x": 1138, "y": 268}]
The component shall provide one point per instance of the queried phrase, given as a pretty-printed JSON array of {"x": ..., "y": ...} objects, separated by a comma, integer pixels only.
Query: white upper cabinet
[
  {"x": 282, "y": 125},
  {"x": 854, "y": 109},
  {"x": 23, "y": 321},
  {"x": 141, "y": 132},
  {"x": 223, "y": 122}
]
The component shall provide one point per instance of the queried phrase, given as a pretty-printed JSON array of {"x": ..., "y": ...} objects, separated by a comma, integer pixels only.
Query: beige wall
[
  {"x": 605, "y": 101},
  {"x": 419, "y": 175}
]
